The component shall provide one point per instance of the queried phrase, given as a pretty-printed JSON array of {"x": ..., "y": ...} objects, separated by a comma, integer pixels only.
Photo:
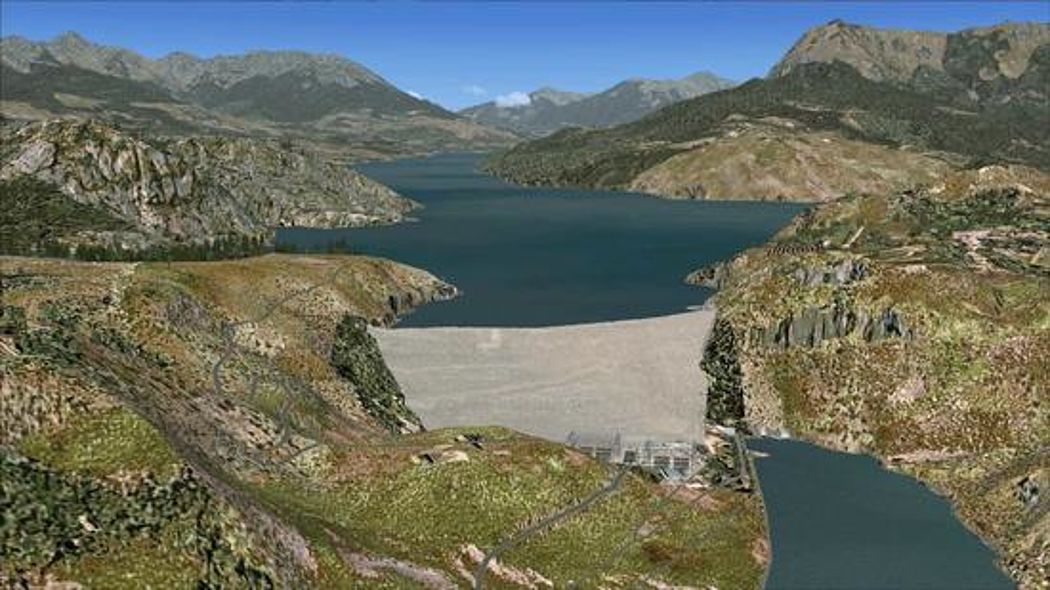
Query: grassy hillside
[{"x": 229, "y": 424}]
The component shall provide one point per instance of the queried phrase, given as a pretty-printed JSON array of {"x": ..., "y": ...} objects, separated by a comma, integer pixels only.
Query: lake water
[
  {"x": 842, "y": 521},
  {"x": 541, "y": 257}
]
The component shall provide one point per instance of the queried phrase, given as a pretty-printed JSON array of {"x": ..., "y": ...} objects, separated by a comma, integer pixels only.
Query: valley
[{"x": 269, "y": 320}]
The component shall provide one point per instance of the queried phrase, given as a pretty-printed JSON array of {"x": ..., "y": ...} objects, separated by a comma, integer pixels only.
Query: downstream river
[{"x": 528, "y": 257}]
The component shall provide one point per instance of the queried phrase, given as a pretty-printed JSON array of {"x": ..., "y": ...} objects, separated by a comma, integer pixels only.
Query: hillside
[
  {"x": 809, "y": 101},
  {"x": 549, "y": 110},
  {"x": 106, "y": 187},
  {"x": 232, "y": 425},
  {"x": 324, "y": 98},
  {"x": 913, "y": 326}
]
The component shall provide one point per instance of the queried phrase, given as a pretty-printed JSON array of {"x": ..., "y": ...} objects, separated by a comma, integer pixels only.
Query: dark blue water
[
  {"x": 539, "y": 257},
  {"x": 841, "y": 521}
]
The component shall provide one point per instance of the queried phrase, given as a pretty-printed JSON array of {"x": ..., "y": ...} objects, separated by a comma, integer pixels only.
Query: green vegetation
[
  {"x": 283, "y": 454},
  {"x": 104, "y": 444},
  {"x": 35, "y": 216},
  {"x": 393, "y": 503},
  {"x": 725, "y": 395},
  {"x": 170, "y": 531},
  {"x": 37, "y": 219},
  {"x": 356, "y": 357}
]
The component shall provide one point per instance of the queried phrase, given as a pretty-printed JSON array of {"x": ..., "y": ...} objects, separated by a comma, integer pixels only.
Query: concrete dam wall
[{"x": 634, "y": 379}]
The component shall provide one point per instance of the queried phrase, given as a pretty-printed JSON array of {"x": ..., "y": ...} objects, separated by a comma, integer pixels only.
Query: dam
[
  {"x": 625, "y": 390},
  {"x": 572, "y": 325}
]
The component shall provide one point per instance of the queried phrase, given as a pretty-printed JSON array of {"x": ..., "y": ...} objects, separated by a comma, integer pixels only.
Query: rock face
[
  {"x": 710, "y": 276},
  {"x": 548, "y": 110},
  {"x": 814, "y": 325},
  {"x": 987, "y": 63},
  {"x": 195, "y": 189}
]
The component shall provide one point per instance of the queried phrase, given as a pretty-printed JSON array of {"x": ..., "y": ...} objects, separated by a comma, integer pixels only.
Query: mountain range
[
  {"x": 848, "y": 109},
  {"x": 326, "y": 98},
  {"x": 547, "y": 109}
]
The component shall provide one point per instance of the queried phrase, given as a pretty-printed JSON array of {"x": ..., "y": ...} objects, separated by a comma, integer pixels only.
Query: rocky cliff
[
  {"x": 189, "y": 190},
  {"x": 912, "y": 326}
]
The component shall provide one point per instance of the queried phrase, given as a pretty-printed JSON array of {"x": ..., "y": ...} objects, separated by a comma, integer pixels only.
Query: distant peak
[{"x": 71, "y": 37}]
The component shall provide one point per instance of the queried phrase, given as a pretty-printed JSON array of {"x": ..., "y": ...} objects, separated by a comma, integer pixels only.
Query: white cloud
[
  {"x": 415, "y": 95},
  {"x": 474, "y": 90},
  {"x": 513, "y": 99}
]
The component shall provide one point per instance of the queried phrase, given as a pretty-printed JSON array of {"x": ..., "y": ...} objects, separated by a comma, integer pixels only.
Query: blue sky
[{"x": 458, "y": 54}]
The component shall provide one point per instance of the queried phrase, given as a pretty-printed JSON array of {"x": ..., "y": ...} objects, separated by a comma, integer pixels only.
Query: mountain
[
  {"x": 816, "y": 129},
  {"x": 548, "y": 110},
  {"x": 266, "y": 93},
  {"x": 908, "y": 325},
  {"x": 997, "y": 63},
  {"x": 105, "y": 187}
]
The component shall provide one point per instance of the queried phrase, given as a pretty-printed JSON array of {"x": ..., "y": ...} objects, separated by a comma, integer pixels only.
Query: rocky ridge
[
  {"x": 328, "y": 99},
  {"x": 549, "y": 110},
  {"x": 195, "y": 189},
  {"x": 978, "y": 64}
]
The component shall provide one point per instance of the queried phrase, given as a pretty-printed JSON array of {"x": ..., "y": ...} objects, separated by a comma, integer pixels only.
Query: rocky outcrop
[
  {"x": 710, "y": 276},
  {"x": 195, "y": 189},
  {"x": 915, "y": 333},
  {"x": 814, "y": 325},
  {"x": 356, "y": 356},
  {"x": 838, "y": 274},
  {"x": 411, "y": 297}
]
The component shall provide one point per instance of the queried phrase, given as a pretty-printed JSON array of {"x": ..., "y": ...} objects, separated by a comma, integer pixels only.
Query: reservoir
[{"x": 528, "y": 258}]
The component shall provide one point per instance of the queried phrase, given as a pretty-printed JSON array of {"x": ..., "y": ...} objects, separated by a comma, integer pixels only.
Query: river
[{"x": 528, "y": 257}]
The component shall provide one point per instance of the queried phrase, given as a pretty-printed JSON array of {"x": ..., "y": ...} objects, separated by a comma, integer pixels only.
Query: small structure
[{"x": 669, "y": 459}]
